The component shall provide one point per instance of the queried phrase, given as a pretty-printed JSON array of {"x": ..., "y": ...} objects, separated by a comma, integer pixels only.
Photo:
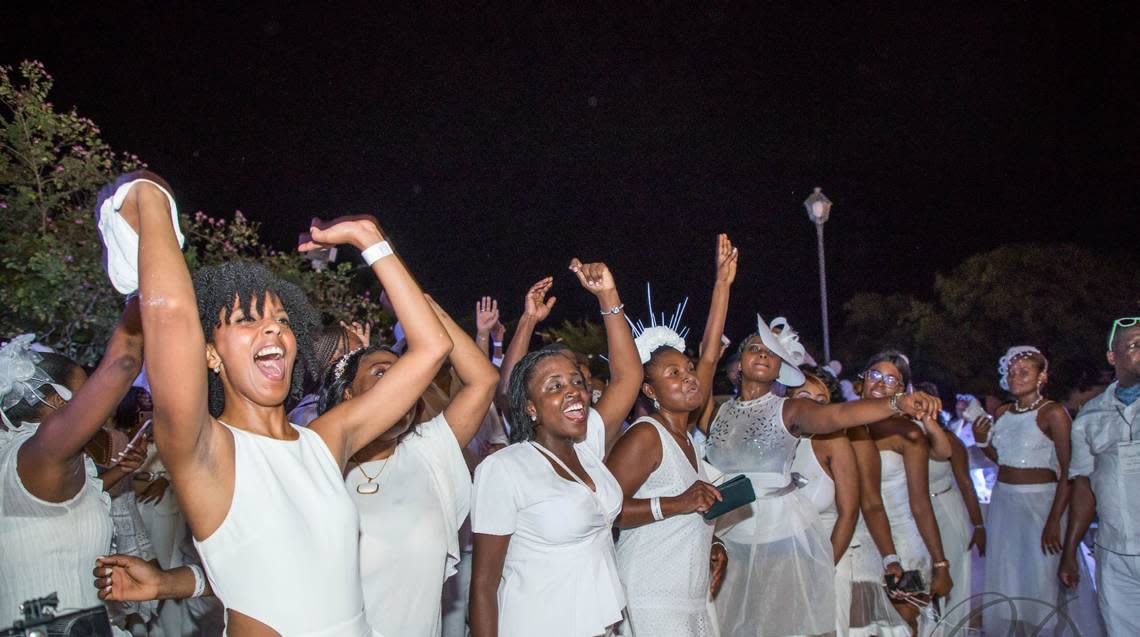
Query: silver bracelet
[
  {"x": 894, "y": 403},
  {"x": 891, "y": 559},
  {"x": 199, "y": 580},
  {"x": 612, "y": 310},
  {"x": 655, "y": 508}
]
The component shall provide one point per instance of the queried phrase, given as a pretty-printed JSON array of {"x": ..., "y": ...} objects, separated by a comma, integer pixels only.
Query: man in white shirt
[{"x": 1105, "y": 470}]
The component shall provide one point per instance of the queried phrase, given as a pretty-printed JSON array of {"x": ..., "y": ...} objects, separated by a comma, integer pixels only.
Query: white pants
[{"x": 1118, "y": 589}]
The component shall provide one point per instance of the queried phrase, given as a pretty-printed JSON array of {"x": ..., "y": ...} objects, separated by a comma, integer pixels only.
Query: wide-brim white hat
[{"x": 786, "y": 345}]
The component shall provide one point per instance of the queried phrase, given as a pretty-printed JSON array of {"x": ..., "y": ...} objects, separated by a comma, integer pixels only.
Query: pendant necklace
[{"x": 370, "y": 487}]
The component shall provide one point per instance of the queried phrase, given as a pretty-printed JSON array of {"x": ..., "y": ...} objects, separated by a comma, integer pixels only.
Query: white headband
[
  {"x": 1012, "y": 354},
  {"x": 669, "y": 333}
]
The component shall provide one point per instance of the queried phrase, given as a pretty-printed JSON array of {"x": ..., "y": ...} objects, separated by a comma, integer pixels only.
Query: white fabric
[
  {"x": 167, "y": 530},
  {"x": 409, "y": 530},
  {"x": 1021, "y": 444},
  {"x": 780, "y": 578},
  {"x": 956, "y": 530},
  {"x": 1102, "y": 424},
  {"x": 904, "y": 530},
  {"x": 121, "y": 258},
  {"x": 820, "y": 488},
  {"x": 290, "y": 522},
  {"x": 48, "y": 547},
  {"x": 1118, "y": 589},
  {"x": 561, "y": 547},
  {"x": 1015, "y": 564},
  {"x": 665, "y": 565}
]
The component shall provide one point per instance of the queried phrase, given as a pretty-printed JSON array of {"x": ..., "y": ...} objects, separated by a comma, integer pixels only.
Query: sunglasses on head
[
  {"x": 1125, "y": 322},
  {"x": 875, "y": 376}
]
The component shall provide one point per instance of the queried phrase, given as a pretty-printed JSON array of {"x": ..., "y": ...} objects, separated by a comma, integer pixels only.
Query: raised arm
[
  {"x": 50, "y": 464},
  {"x": 467, "y": 409},
  {"x": 916, "y": 461},
  {"x": 486, "y": 317},
  {"x": 174, "y": 346},
  {"x": 802, "y": 416},
  {"x": 536, "y": 307},
  {"x": 726, "y": 259},
  {"x": 1055, "y": 420},
  {"x": 626, "y": 371},
  {"x": 354, "y": 423}
]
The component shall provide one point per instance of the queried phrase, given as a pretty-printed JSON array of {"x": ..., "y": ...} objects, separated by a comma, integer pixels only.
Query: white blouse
[
  {"x": 409, "y": 528},
  {"x": 560, "y": 577},
  {"x": 48, "y": 547}
]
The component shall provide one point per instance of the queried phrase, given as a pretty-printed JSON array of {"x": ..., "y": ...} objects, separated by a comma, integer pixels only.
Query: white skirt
[
  {"x": 956, "y": 530},
  {"x": 780, "y": 579},
  {"x": 1018, "y": 573}
]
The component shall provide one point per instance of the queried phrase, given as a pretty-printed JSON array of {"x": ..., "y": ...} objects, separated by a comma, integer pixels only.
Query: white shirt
[
  {"x": 48, "y": 547},
  {"x": 1103, "y": 427},
  {"x": 559, "y": 578},
  {"x": 408, "y": 529}
]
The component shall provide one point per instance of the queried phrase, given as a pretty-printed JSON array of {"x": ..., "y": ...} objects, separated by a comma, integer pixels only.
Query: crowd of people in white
[{"x": 439, "y": 485}]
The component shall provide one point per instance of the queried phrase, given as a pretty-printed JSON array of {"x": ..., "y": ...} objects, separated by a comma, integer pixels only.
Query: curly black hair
[
  {"x": 522, "y": 427},
  {"x": 218, "y": 286}
]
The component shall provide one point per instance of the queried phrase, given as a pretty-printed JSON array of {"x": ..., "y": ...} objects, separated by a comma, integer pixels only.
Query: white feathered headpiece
[
  {"x": 1012, "y": 354},
  {"x": 669, "y": 332},
  {"x": 20, "y": 376}
]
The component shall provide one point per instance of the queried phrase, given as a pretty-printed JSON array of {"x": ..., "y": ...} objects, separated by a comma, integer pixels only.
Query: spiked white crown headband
[{"x": 668, "y": 333}]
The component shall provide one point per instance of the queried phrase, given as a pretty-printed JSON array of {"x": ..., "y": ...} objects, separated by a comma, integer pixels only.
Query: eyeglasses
[
  {"x": 875, "y": 376},
  {"x": 1126, "y": 322}
]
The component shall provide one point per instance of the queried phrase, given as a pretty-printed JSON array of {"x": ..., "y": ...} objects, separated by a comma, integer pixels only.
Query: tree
[
  {"x": 586, "y": 337},
  {"x": 52, "y": 166},
  {"x": 1061, "y": 298}
]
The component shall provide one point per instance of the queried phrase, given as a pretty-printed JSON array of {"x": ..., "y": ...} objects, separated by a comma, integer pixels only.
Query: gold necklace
[{"x": 370, "y": 487}]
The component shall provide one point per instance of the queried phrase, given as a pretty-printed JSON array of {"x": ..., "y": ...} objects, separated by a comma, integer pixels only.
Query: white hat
[{"x": 785, "y": 345}]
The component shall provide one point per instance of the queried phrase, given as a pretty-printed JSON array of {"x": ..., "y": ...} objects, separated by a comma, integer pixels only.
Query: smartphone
[{"x": 134, "y": 441}]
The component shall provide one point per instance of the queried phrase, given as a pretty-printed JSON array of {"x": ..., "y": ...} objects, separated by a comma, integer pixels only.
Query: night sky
[{"x": 495, "y": 144}]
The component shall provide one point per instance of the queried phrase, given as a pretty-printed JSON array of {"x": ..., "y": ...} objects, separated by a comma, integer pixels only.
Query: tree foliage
[
  {"x": 1061, "y": 298},
  {"x": 587, "y": 337},
  {"x": 52, "y": 165}
]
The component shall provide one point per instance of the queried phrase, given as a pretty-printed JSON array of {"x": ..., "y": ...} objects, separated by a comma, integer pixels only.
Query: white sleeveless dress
[
  {"x": 664, "y": 565},
  {"x": 287, "y": 553},
  {"x": 780, "y": 576},
  {"x": 820, "y": 489},
  {"x": 956, "y": 530}
]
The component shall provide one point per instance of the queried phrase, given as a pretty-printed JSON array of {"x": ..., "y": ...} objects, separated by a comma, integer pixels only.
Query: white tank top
[
  {"x": 286, "y": 554},
  {"x": 941, "y": 476},
  {"x": 1021, "y": 444}
]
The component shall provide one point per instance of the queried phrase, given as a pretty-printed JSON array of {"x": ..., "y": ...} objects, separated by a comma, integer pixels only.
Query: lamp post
[{"x": 818, "y": 210}]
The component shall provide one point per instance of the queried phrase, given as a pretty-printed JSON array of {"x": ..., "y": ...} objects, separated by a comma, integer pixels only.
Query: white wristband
[
  {"x": 375, "y": 252},
  {"x": 199, "y": 580},
  {"x": 891, "y": 559},
  {"x": 655, "y": 508}
]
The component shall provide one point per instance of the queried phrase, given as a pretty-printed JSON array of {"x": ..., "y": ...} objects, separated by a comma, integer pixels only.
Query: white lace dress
[
  {"x": 780, "y": 576},
  {"x": 665, "y": 565}
]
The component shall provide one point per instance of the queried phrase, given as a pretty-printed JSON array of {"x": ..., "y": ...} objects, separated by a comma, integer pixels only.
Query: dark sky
[{"x": 495, "y": 144}]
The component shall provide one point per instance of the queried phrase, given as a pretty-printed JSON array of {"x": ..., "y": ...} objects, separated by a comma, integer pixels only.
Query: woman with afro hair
[{"x": 265, "y": 500}]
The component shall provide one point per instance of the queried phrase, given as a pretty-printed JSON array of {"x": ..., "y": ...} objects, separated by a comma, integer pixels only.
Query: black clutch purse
[
  {"x": 910, "y": 582},
  {"x": 736, "y": 492}
]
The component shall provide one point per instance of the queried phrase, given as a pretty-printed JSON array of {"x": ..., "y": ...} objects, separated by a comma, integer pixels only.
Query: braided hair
[
  {"x": 522, "y": 427},
  {"x": 217, "y": 287}
]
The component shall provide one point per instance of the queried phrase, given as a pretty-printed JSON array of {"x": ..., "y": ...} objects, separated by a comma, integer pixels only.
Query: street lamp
[{"x": 818, "y": 210}]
